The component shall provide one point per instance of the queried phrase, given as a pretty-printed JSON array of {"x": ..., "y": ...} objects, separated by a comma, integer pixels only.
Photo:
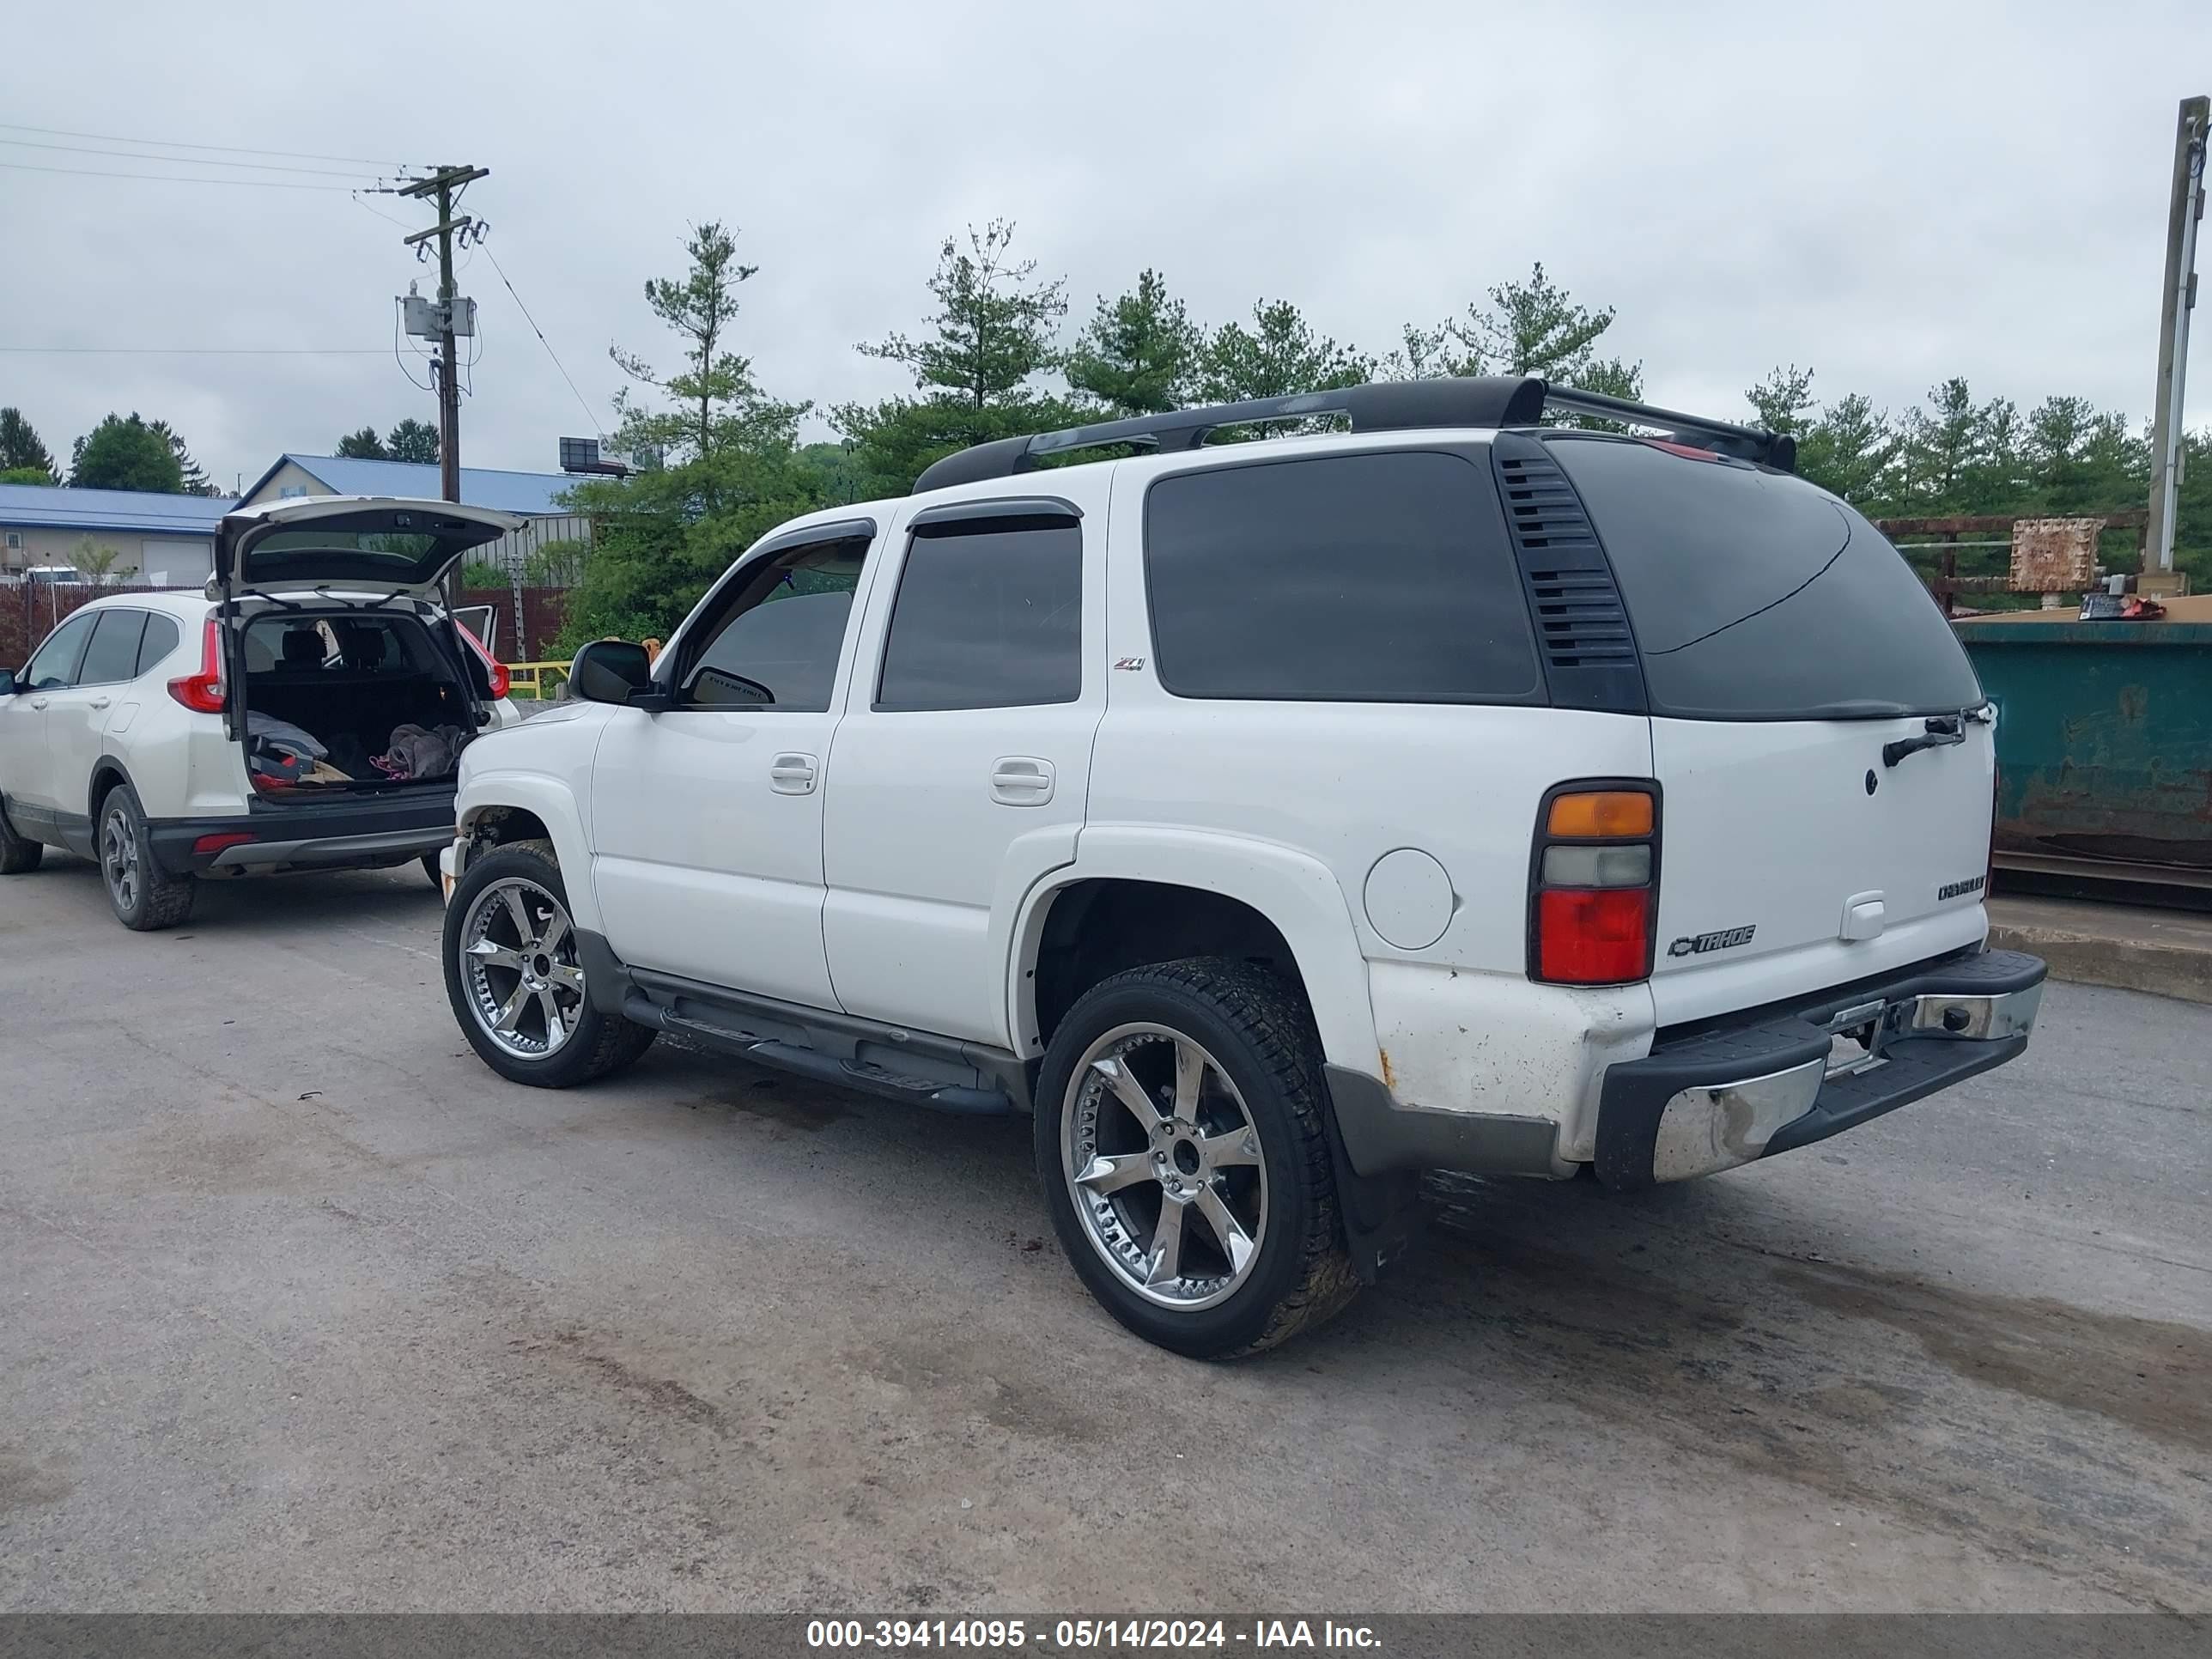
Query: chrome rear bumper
[{"x": 1725, "y": 1095}]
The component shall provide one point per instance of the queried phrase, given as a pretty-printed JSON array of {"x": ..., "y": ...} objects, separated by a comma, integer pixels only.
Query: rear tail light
[
  {"x": 202, "y": 692},
  {"x": 1594, "y": 894},
  {"x": 494, "y": 670}
]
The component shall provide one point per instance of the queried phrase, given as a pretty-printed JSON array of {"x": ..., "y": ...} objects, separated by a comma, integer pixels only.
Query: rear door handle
[
  {"x": 100, "y": 702},
  {"x": 1021, "y": 780},
  {"x": 792, "y": 775}
]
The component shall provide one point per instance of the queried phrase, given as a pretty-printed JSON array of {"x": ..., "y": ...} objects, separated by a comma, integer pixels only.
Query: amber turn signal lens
[{"x": 1601, "y": 814}]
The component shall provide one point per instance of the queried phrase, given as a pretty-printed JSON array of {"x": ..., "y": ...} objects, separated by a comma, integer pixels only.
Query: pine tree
[{"x": 21, "y": 450}]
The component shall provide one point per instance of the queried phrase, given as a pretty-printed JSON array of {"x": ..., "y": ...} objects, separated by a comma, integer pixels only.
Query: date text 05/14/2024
[{"x": 1090, "y": 1635}]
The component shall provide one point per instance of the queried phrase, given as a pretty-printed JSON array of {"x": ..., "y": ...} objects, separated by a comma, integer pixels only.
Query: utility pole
[
  {"x": 2177, "y": 295},
  {"x": 443, "y": 185}
]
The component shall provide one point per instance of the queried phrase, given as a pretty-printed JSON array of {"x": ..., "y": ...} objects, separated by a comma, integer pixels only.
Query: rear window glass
[
  {"x": 407, "y": 545},
  {"x": 1366, "y": 578},
  {"x": 1755, "y": 596}
]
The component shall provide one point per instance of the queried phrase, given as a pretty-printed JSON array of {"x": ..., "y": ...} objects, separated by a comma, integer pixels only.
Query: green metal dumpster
[{"x": 2104, "y": 741}]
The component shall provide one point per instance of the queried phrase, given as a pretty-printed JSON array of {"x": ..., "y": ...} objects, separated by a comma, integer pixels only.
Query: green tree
[
  {"x": 2081, "y": 459},
  {"x": 92, "y": 558},
  {"x": 1851, "y": 449},
  {"x": 195, "y": 478},
  {"x": 719, "y": 406},
  {"x": 23, "y": 451},
  {"x": 1784, "y": 401},
  {"x": 990, "y": 336},
  {"x": 27, "y": 475},
  {"x": 363, "y": 445},
  {"x": 413, "y": 440},
  {"x": 1140, "y": 354},
  {"x": 660, "y": 537},
  {"x": 126, "y": 454},
  {"x": 1279, "y": 355},
  {"x": 1533, "y": 326},
  {"x": 993, "y": 325}
]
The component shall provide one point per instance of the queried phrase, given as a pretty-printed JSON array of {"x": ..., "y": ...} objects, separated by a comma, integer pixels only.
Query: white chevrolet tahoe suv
[
  {"x": 1272, "y": 820},
  {"x": 176, "y": 738}
]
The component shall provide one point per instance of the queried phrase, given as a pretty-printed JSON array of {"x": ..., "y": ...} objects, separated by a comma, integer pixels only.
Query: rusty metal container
[{"x": 2104, "y": 744}]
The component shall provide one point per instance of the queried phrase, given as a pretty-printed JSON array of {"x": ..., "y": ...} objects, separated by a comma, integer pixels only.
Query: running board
[{"x": 785, "y": 1055}]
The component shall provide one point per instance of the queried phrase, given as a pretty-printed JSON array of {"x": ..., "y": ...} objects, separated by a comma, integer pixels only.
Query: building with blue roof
[
  {"x": 157, "y": 538},
  {"x": 534, "y": 495},
  {"x": 168, "y": 541}
]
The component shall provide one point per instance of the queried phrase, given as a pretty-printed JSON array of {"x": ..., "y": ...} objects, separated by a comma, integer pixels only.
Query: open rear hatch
[
  {"x": 1824, "y": 754},
  {"x": 345, "y": 673}
]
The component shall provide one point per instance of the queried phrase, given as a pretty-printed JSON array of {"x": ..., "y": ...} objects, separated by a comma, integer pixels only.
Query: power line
[
  {"x": 168, "y": 178},
  {"x": 179, "y": 161},
  {"x": 206, "y": 351},
  {"x": 179, "y": 143},
  {"x": 541, "y": 340}
]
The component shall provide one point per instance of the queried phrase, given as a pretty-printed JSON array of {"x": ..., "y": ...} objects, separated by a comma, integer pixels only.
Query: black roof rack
[{"x": 1486, "y": 400}]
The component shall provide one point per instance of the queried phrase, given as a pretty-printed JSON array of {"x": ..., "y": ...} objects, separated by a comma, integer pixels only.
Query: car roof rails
[{"x": 1482, "y": 400}]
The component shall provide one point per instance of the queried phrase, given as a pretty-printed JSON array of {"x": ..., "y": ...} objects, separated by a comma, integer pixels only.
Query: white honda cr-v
[{"x": 306, "y": 712}]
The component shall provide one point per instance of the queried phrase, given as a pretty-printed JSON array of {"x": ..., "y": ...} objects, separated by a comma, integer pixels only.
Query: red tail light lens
[
  {"x": 1600, "y": 937},
  {"x": 217, "y": 843},
  {"x": 202, "y": 692},
  {"x": 493, "y": 670},
  {"x": 1595, "y": 877}
]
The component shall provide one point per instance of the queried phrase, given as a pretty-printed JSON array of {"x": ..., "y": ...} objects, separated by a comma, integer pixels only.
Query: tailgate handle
[{"x": 1943, "y": 730}]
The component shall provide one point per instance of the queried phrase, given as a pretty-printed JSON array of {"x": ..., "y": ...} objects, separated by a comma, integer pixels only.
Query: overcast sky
[{"x": 1891, "y": 197}]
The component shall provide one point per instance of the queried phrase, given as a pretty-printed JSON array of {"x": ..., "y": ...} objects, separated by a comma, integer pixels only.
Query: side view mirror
[
  {"x": 8, "y": 686},
  {"x": 612, "y": 670}
]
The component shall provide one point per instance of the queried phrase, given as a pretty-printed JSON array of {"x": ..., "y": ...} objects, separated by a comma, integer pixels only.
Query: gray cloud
[{"x": 1890, "y": 194}]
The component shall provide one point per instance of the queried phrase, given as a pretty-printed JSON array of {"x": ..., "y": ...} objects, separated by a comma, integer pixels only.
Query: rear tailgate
[{"x": 1788, "y": 652}]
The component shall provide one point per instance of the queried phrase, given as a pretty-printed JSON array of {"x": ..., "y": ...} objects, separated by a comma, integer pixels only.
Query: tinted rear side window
[
  {"x": 1370, "y": 578},
  {"x": 990, "y": 618},
  {"x": 1755, "y": 596},
  {"x": 160, "y": 640},
  {"x": 113, "y": 653}
]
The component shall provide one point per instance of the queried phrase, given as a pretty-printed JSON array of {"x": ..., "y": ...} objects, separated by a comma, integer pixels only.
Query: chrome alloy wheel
[
  {"x": 519, "y": 961},
  {"x": 119, "y": 857},
  {"x": 1162, "y": 1159}
]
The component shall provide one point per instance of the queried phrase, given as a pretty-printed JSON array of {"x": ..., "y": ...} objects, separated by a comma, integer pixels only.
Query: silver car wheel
[
  {"x": 519, "y": 961},
  {"x": 119, "y": 857},
  {"x": 1163, "y": 1161}
]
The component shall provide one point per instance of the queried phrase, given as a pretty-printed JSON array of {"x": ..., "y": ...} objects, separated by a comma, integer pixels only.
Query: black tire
[
  {"x": 1258, "y": 1031},
  {"x": 144, "y": 896},
  {"x": 597, "y": 1044},
  {"x": 430, "y": 869},
  {"x": 17, "y": 856}
]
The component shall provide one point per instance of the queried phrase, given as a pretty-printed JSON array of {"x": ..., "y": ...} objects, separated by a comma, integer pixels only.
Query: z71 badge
[{"x": 1697, "y": 944}]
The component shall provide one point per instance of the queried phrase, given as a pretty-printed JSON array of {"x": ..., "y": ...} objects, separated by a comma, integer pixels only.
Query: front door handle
[
  {"x": 100, "y": 702},
  {"x": 1021, "y": 780},
  {"x": 38, "y": 702},
  {"x": 792, "y": 775}
]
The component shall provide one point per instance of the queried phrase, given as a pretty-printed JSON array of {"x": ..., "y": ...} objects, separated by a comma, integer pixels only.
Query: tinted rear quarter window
[
  {"x": 1367, "y": 578},
  {"x": 113, "y": 653},
  {"x": 987, "y": 618},
  {"x": 1755, "y": 596},
  {"x": 160, "y": 638}
]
